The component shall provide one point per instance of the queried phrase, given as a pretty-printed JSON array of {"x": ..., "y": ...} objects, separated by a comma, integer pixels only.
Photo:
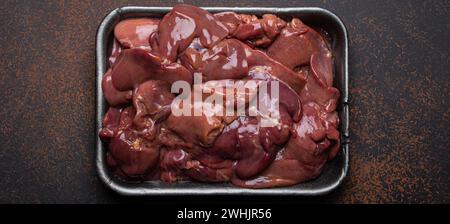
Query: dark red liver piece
[
  {"x": 134, "y": 66},
  {"x": 113, "y": 96}
]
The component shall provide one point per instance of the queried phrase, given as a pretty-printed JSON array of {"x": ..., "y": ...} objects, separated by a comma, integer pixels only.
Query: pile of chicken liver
[{"x": 146, "y": 142}]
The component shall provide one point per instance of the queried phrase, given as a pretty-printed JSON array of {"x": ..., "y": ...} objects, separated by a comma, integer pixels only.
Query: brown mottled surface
[{"x": 399, "y": 86}]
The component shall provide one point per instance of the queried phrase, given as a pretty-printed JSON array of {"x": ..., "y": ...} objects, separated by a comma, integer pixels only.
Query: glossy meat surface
[{"x": 150, "y": 56}]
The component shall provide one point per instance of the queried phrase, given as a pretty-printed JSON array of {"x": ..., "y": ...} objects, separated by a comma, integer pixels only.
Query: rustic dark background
[{"x": 399, "y": 80}]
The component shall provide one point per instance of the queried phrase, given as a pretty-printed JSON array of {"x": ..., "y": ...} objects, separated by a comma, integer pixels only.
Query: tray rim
[{"x": 101, "y": 35}]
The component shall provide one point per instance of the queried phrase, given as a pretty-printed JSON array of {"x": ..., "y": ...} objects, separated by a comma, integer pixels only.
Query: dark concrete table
[{"x": 399, "y": 86}]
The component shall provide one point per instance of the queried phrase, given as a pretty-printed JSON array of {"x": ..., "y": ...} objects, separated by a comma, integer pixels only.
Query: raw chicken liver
[{"x": 148, "y": 141}]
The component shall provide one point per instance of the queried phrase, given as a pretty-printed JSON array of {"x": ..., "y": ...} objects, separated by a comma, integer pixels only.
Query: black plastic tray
[{"x": 334, "y": 171}]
